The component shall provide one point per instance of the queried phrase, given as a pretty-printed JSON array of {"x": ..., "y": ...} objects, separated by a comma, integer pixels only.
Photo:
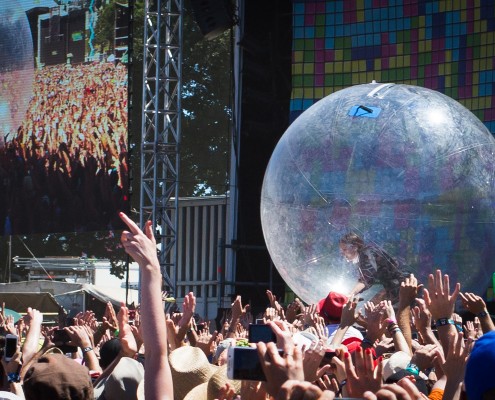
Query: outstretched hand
[
  {"x": 140, "y": 245},
  {"x": 438, "y": 297}
]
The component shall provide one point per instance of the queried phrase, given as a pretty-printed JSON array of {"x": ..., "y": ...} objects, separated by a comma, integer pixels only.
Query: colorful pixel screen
[{"x": 448, "y": 46}]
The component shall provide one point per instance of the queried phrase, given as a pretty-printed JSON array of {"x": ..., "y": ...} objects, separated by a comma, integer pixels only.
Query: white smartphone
[
  {"x": 10, "y": 346},
  {"x": 243, "y": 363}
]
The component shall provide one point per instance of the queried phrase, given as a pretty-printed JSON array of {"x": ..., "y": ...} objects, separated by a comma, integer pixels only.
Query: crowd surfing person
[
  {"x": 419, "y": 349},
  {"x": 374, "y": 265}
]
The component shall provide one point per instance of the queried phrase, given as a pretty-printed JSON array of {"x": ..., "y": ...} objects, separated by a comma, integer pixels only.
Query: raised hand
[
  {"x": 477, "y": 306},
  {"x": 309, "y": 315},
  {"x": 349, "y": 313},
  {"x": 469, "y": 330},
  {"x": 206, "y": 341},
  {"x": 293, "y": 309},
  {"x": 362, "y": 376},
  {"x": 312, "y": 358},
  {"x": 423, "y": 356},
  {"x": 129, "y": 345},
  {"x": 438, "y": 297},
  {"x": 140, "y": 245},
  {"x": 188, "y": 309},
  {"x": 408, "y": 290},
  {"x": 110, "y": 318},
  {"x": 375, "y": 322},
  {"x": 280, "y": 368}
]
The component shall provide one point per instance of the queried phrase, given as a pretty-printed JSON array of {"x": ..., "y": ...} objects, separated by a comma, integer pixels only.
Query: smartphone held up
[
  {"x": 243, "y": 363},
  {"x": 10, "y": 346}
]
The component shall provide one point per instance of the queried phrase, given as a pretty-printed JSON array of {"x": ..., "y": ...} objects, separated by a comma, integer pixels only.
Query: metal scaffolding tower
[{"x": 161, "y": 127}]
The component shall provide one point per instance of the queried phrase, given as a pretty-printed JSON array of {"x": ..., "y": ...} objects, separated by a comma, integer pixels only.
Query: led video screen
[
  {"x": 447, "y": 46},
  {"x": 63, "y": 115}
]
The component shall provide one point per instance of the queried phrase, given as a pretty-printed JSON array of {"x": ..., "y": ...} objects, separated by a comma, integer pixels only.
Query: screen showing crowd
[{"x": 63, "y": 117}]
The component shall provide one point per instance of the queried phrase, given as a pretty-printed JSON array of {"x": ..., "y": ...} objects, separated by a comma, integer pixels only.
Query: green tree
[
  {"x": 105, "y": 27},
  {"x": 207, "y": 111},
  {"x": 206, "y": 105}
]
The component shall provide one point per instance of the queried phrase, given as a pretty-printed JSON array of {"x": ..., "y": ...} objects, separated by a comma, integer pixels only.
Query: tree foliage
[{"x": 105, "y": 27}]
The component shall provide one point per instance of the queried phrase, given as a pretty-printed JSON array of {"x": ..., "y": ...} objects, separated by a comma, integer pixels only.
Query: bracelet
[
  {"x": 116, "y": 333},
  {"x": 367, "y": 341},
  {"x": 444, "y": 321},
  {"x": 13, "y": 377},
  {"x": 412, "y": 368},
  {"x": 394, "y": 331},
  {"x": 390, "y": 321},
  {"x": 341, "y": 386},
  {"x": 392, "y": 327},
  {"x": 87, "y": 349},
  {"x": 482, "y": 314}
]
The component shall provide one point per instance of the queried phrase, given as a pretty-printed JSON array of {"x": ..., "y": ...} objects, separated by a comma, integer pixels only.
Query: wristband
[
  {"x": 341, "y": 386},
  {"x": 367, "y": 341},
  {"x": 116, "y": 333},
  {"x": 13, "y": 377},
  {"x": 393, "y": 331},
  {"x": 482, "y": 314},
  {"x": 444, "y": 321},
  {"x": 412, "y": 368},
  {"x": 390, "y": 321},
  {"x": 87, "y": 349}
]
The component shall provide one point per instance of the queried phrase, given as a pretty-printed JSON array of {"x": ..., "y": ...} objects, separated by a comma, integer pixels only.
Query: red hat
[
  {"x": 352, "y": 343},
  {"x": 331, "y": 306}
]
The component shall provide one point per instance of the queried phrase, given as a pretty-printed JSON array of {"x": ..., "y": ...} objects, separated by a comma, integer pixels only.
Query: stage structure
[{"x": 161, "y": 125}]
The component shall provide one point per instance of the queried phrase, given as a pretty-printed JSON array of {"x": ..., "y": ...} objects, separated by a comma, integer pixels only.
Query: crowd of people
[
  {"x": 67, "y": 162},
  {"x": 420, "y": 348}
]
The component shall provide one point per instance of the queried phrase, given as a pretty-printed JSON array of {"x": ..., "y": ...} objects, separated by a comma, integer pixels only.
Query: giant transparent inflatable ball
[
  {"x": 408, "y": 169},
  {"x": 16, "y": 68}
]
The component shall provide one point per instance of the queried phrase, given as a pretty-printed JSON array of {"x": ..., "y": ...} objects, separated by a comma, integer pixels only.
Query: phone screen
[
  {"x": 261, "y": 333},
  {"x": 243, "y": 363},
  {"x": 10, "y": 346}
]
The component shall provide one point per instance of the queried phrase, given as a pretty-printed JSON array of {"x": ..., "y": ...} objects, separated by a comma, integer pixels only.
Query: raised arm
[
  {"x": 407, "y": 294},
  {"x": 477, "y": 306},
  {"x": 34, "y": 319},
  {"x": 441, "y": 304},
  {"x": 141, "y": 246}
]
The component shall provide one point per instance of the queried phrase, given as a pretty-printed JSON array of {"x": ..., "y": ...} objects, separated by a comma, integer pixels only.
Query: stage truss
[{"x": 161, "y": 129}]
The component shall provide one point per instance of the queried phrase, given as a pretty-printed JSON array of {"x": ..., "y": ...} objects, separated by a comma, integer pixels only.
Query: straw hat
[
  {"x": 190, "y": 368},
  {"x": 209, "y": 390}
]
